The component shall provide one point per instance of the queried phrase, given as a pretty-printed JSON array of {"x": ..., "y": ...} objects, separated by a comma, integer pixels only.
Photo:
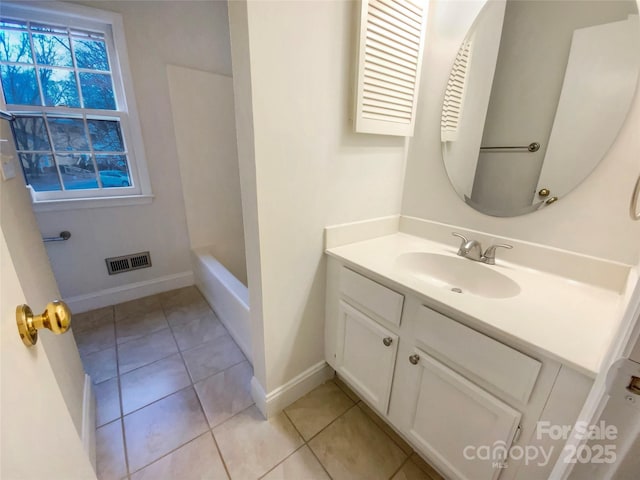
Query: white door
[{"x": 41, "y": 387}]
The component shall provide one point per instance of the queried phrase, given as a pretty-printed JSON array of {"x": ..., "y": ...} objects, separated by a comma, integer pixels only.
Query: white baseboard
[
  {"x": 89, "y": 420},
  {"x": 275, "y": 401},
  {"x": 129, "y": 291}
]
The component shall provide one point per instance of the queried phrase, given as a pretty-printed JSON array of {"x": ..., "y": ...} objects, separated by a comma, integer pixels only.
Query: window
[{"x": 62, "y": 75}]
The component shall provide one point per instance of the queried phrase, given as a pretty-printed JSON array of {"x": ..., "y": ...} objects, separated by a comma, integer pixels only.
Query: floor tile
[
  {"x": 101, "y": 366},
  {"x": 198, "y": 331},
  {"x": 425, "y": 467},
  {"x": 271, "y": 441},
  {"x": 107, "y": 401},
  {"x": 406, "y": 448},
  {"x": 145, "y": 350},
  {"x": 346, "y": 389},
  {"x": 182, "y": 313},
  {"x": 301, "y": 465},
  {"x": 180, "y": 297},
  {"x": 318, "y": 408},
  {"x": 136, "y": 326},
  {"x": 93, "y": 340},
  {"x": 410, "y": 471},
  {"x": 163, "y": 426},
  {"x": 110, "y": 462},
  {"x": 212, "y": 357},
  {"x": 226, "y": 393},
  {"x": 197, "y": 460},
  {"x": 92, "y": 319},
  {"x": 353, "y": 447},
  {"x": 137, "y": 307},
  {"x": 152, "y": 382}
]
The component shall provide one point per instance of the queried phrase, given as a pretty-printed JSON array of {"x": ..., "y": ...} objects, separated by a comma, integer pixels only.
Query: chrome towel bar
[
  {"x": 532, "y": 147},
  {"x": 64, "y": 235}
]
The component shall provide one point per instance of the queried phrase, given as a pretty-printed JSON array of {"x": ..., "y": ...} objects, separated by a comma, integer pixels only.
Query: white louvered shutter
[
  {"x": 454, "y": 96},
  {"x": 389, "y": 58}
]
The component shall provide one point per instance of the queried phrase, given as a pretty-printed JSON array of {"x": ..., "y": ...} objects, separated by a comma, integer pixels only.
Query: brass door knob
[{"x": 56, "y": 317}]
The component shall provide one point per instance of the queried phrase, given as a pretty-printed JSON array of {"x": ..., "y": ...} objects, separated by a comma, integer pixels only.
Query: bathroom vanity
[{"x": 464, "y": 359}]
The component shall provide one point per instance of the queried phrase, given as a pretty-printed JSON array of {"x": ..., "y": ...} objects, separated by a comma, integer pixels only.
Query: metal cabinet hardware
[{"x": 56, "y": 317}]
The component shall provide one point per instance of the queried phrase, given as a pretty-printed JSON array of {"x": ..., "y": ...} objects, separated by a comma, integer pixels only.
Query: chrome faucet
[{"x": 472, "y": 249}]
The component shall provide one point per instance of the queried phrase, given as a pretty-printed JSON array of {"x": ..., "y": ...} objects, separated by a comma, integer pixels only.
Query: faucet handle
[
  {"x": 464, "y": 241},
  {"x": 490, "y": 254},
  {"x": 459, "y": 235}
]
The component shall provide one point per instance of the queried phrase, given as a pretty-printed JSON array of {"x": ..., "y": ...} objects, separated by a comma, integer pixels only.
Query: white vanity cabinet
[
  {"x": 366, "y": 347},
  {"x": 366, "y": 355},
  {"x": 443, "y": 385},
  {"x": 450, "y": 416}
]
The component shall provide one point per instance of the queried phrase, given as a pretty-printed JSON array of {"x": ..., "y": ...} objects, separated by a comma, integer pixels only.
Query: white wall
[
  {"x": 204, "y": 120},
  {"x": 310, "y": 169},
  {"x": 593, "y": 219},
  {"x": 192, "y": 34}
]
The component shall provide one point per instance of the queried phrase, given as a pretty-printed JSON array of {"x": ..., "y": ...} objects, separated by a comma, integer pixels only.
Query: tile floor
[{"x": 173, "y": 402}]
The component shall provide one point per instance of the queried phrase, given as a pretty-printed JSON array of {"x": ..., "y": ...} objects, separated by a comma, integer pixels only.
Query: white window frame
[{"x": 111, "y": 25}]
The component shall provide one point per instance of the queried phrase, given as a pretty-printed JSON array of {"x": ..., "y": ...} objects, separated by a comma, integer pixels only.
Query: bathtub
[{"x": 228, "y": 297}]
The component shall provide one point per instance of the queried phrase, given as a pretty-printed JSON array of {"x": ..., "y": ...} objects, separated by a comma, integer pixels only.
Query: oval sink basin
[{"x": 458, "y": 274}]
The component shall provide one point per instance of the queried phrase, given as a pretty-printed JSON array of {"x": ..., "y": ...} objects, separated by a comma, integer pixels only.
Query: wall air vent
[{"x": 127, "y": 263}]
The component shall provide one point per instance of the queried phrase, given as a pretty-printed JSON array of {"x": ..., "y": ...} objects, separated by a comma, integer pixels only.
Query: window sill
[{"x": 95, "y": 202}]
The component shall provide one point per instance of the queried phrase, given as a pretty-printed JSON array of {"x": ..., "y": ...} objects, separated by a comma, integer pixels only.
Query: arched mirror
[{"x": 537, "y": 95}]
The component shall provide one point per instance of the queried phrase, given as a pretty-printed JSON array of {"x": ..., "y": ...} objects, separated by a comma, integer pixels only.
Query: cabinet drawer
[
  {"x": 471, "y": 352},
  {"x": 371, "y": 297}
]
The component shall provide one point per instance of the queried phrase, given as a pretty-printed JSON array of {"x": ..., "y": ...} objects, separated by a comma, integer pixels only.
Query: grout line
[
  {"x": 360, "y": 403},
  {"x": 406, "y": 460},
  {"x": 306, "y": 443},
  {"x": 282, "y": 461},
  {"x": 224, "y": 463},
  {"x": 171, "y": 451},
  {"x": 121, "y": 418}
]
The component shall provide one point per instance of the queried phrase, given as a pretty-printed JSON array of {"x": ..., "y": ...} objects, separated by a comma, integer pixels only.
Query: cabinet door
[
  {"x": 453, "y": 418},
  {"x": 366, "y": 355}
]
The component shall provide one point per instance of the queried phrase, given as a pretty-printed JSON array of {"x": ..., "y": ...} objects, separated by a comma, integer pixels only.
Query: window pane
[
  {"x": 113, "y": 171},
  {"x": 91, "y": 54},
  {"x": 97, "y": 91},
  {"x": 31, "y": 133},
  {"x": 77, "y": 171},
  {"x": 68, "y": 134},
  {"x": 106, "y": 135},
  {"x": 19, "y": 85},
  {"x": 52, "y": 50},
  {"x": 15, "y": 47},
  {"x": 59, "y": 87},
  {"x": 40, "y": 172}
]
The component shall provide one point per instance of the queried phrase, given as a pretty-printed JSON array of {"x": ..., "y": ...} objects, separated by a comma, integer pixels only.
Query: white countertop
[{"x": 566, "y": 320}]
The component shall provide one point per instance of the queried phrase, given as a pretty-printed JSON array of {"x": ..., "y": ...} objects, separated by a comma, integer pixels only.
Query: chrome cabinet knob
[
  {"x": 387, "y": 341},
  {"x": 414, "y": 359}
]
